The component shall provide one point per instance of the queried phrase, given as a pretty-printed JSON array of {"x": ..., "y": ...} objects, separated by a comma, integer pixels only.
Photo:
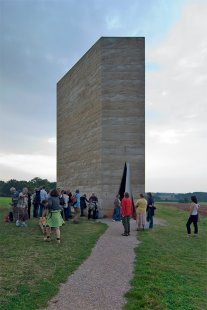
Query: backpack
[{"x": 74, "y": 199}]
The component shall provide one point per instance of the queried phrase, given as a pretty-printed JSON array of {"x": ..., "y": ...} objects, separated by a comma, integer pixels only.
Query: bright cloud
[
  {"x": 52, "y": 140},
  {"x": 176, "y": 146},
  {"x": 28, "y": 166}
]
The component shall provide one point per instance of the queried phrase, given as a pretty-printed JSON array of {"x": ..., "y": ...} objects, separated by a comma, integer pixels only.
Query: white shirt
[
  {"x": 195, "y": 209},
  {"x": 43, "y": 195}
]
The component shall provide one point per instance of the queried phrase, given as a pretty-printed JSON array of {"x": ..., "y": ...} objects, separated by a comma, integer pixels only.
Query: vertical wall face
[
  {"x": 79, "y": 125},
  {"x": 123, "y": 114},
  {"x": 101, "y": 119}
]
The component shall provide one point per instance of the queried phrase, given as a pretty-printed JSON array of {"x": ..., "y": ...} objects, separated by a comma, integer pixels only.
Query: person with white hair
[
  {"x": 93, "y": 201},
  {"x": 22, "y": 208},
  {"x": 14, "y": 198}
]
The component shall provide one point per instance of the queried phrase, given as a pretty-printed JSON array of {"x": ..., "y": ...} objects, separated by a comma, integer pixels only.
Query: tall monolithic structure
[{"x": 101, "y": 119}]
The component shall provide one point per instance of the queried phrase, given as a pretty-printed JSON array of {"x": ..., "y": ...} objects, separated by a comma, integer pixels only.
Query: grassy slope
[
  {"x": 170, "y": 269},
  {"x": 31, "y": 270}
]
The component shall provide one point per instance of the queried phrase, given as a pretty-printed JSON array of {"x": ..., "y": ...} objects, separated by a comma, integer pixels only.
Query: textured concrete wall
[{"x": 101, "y": 119}]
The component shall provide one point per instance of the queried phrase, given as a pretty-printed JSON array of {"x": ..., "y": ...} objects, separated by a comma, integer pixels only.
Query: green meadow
[
  {"x": 32, "y": 269},
  {"x": 170, "y": 268}
]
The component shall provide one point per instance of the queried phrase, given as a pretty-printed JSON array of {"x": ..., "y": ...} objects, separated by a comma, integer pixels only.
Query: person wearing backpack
[
  {"x": 83, "y": 205},
  {"x": 93, "y": 201}
]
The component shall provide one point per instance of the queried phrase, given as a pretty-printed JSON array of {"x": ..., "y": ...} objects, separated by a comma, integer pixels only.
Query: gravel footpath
[{"x": 102, "y": 280}]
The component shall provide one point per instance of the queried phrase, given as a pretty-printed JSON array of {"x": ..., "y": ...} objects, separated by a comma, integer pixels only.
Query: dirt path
[{"x": 102, "y": 280}]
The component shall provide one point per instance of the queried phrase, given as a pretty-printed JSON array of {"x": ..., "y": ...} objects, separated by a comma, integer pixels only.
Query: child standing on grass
[
  {"x": 193, "y": 218},
  {"x": 54, "y": 218},
  {"x": 126, "y": 212}
]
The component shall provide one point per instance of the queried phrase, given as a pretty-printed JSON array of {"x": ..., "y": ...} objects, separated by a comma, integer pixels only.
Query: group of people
[
  {"x": 144, "y": 209},
  {"x": 53, "y": 208}
]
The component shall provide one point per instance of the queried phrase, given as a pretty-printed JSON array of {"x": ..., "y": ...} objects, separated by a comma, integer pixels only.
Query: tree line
[
  {"x": 181, "y": 198},
  {"x": 32, "y": 184}
]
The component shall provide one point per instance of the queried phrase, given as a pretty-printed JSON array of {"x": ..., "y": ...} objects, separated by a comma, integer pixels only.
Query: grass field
[
  {"x": 170, "y": 268},
  {"x": 31, "y": 270}
]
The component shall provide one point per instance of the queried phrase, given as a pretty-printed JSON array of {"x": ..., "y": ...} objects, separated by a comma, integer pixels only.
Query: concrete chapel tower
[{"x": 101, "y": 119}]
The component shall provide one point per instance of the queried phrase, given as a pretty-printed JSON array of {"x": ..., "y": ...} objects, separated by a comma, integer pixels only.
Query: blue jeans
[
  {"x": 69, "y": 210},
  {"x": 150, "y": 214},
  {"x": 41, "y": 209},
  {"x": 67, "y": 213},
  {"x": 117, "y": 214}
]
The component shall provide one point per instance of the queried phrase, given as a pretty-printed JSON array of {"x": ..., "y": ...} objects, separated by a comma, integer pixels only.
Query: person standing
[
  {"x": 141, "y": 207},
  {"x": 66, "y": 207},
  {"x": 83, "y": 205},
  {"x": 36, "y": 202},
  {"x": 54, "y": 218},
  {"x": 126, "y": 212},
  {"x": 29, "y": 204},
  {"x": 193, "y": 218},
  {"x": 93, "y": 200},
  {"x": 43, "y": 197},
  {"x": 22, "y": 208},
  {"x": 70, "y": 203},
  {"x": 76, "y": 206},
  {"x": 150, "y": 209},
  {"x": 117, "y": 209},
  {"x": 14, "y": 198}
]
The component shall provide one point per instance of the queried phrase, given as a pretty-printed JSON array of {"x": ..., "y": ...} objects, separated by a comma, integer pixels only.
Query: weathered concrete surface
[{"x": 101, "y": 119}]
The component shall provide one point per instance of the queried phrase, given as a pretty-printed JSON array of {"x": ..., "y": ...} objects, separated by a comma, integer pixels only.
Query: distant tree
[{"x": 32, "y": 184}]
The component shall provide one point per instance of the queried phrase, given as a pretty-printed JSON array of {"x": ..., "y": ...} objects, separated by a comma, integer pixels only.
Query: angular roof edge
[{"x": 97, "y": 42}]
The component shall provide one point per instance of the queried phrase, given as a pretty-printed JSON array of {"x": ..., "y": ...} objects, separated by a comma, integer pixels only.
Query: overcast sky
[{"x": 40, "y": 40}]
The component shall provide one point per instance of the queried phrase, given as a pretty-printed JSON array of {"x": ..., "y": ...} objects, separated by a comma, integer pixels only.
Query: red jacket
[{"x": 126, "y": 209}]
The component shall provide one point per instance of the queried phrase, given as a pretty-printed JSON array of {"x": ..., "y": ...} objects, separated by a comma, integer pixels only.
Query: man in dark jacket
[{"x": 83, "y": 205}]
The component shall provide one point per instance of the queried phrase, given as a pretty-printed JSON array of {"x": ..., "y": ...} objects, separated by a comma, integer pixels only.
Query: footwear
[
  {"x": 18, "y": 223},
  {"x": 48, "y": 239},
  {"x": 23, "y": 225},
  {"x": 75, "y": 222},
  {"x": 58, "y": 240},
  {"x": 113, "y": 221},
  {"x": 124, "y": 234}
]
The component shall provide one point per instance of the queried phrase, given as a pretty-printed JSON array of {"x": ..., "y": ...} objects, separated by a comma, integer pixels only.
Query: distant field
[{"x": 185, "y": 206}]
